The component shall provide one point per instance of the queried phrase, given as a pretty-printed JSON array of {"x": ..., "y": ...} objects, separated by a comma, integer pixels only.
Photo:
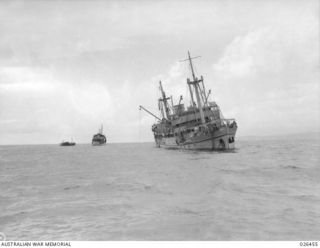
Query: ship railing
[
  {"x": 217, "y": 123},
  {"x": 228, "y": 121},
  {"x": 221, "y": 122}
]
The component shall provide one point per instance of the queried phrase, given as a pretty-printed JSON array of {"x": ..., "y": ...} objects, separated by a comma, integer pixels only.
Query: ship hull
[
  {"x": 67, "y": 144},
  {"x": 95, "y": 143},
  {"x": 222, "y": 139}
]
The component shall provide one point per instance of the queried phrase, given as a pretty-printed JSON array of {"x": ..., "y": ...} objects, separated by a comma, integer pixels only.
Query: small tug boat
[
  {"x": 99, "y": 138},
  {"x": 67, "y": 143}
]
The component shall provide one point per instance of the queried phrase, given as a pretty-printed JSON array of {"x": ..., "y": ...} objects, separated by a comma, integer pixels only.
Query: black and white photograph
[{"x": 159, "y": 121}]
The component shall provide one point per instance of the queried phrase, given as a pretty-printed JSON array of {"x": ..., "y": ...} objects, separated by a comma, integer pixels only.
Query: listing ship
[
  {"x": 99, "y": 138},
  {"x": 199, "y": 127}
]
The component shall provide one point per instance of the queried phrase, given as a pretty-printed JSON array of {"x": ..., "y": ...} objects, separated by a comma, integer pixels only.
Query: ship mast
[
  {"x": 101, "y": 129},
  {"x": 164, "y": 99},
  {"x": 197, "y": 88}
]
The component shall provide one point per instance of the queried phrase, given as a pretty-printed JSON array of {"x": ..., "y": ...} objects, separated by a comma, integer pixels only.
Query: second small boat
[
  {"x": 99, "y": 138},
  {"x": 67, "y": 143}
]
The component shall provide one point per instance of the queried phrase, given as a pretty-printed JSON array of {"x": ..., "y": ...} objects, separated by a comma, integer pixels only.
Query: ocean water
[{"x": 267, "y": 189}]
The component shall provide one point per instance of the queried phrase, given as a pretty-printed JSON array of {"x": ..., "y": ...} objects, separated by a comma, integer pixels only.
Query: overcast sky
[{"x": 68, "y": 66}]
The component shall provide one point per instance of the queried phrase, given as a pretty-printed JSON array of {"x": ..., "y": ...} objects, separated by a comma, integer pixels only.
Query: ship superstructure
[{"x": 199, "y": 126}]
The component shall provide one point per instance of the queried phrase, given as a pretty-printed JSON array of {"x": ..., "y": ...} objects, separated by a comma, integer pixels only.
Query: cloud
[
  {"x": 23, "y": 78},
  {"x": 268, "y": 78}
]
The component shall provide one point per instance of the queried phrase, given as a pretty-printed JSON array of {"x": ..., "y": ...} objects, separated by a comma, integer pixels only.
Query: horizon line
[{"x": 317, "y": 133}]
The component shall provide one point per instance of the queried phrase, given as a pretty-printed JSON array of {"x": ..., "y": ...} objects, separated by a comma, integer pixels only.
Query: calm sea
[{"x": 267, "y": 189}]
